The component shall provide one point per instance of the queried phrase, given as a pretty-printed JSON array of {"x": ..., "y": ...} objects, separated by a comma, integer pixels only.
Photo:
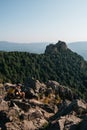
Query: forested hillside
[
  {"x": 57, "y": 63},
  {"x": 79, "y": 47}
]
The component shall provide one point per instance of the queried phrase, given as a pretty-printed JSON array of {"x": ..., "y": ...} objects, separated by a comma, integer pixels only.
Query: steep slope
[
  {"x": 57, "y": 63},
  {"x": 80, "y": 48}
]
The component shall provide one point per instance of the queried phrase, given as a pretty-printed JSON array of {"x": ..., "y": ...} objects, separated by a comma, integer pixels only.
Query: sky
[{"x": 43, "y": 20}]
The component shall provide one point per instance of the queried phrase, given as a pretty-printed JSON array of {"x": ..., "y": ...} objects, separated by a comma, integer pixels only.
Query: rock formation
[
  {"x": 58, "y": 47},
  {"x": 48, "y": 106}
]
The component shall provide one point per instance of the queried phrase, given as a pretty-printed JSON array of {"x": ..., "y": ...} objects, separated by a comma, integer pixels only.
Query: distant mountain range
[
  {"x": 23, "y": 47},
  {"x": 78, "y": 47}
]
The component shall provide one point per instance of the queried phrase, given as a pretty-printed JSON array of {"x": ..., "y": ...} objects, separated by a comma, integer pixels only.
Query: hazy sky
[{"x": 43, "y": 20}]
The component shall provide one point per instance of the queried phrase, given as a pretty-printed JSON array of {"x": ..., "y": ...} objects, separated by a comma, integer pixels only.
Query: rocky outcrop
[
  {"x": 48, "y": 106},
  {"x": 64, "y": 92},
  {"x": 78, "y": 106},
  {"x": 37, "y": 89},
  {"x": 23, "y": 105},
  {"x": 67, "y": 122},
  {"x": 34, "y": 87},
  {"x": 56, "y": 48}
]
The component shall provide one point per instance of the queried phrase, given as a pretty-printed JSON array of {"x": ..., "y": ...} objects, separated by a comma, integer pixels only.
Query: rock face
[
  {"x": 48, "y": 106},
  {"x": 64, "y": 92},
  {"x": 58, "y": 47},
  {"x": 66, "y": 123}
]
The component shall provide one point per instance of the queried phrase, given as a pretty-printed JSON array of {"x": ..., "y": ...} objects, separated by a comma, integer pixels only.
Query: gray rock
[
  {"x": 64, "y": 92},
  {"x": 22, "y": 105},
  {"x": 3, "y": 105}
]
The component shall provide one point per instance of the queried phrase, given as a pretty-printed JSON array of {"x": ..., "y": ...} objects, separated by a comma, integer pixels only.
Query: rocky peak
[
  {"x": 61, "y": 45},
  {"x": 55, "y": 48}
]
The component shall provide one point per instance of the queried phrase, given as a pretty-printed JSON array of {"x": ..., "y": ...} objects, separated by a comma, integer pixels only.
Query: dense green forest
[{"x": 57, "y": 63}]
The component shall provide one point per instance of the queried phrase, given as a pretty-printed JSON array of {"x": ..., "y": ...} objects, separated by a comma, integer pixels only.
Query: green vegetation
[{"x": 64, "y": 66}]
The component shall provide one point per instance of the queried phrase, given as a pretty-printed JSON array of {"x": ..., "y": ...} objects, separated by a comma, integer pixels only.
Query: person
[{"x": 19, "y": 92}]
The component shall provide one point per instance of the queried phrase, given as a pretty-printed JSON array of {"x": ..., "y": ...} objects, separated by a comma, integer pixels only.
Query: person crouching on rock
[{"x": 19, "y": 92}]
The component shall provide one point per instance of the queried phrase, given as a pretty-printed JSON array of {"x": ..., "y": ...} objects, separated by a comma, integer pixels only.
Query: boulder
[
  {"x": 30, "y": 94},
  {"x": 47, "y": 107},
  {"x": 22, "y": 105},
  {"x": 13, "y": 114},
  {"x": 71, "y": 122},
  {"x": 53, "y": 84},
  {"x": 28, "y": 125},
  {"x": 3, "y": 105},
  {"x": 35, "y": 114},
  {"x": 64, "y": 92},
  {"x": 13, "y": 126},
  {"x": 68, "y": 122},
  {"x": 39, "y": 86},
  {"x": 78, "y": 106},
  {"x": 34, "y": 88}
]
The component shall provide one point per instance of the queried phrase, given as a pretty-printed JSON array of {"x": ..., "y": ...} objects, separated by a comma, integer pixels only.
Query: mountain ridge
[
  {"x": 62, "y": 65},
  {"x": 39, "y": 47}
]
